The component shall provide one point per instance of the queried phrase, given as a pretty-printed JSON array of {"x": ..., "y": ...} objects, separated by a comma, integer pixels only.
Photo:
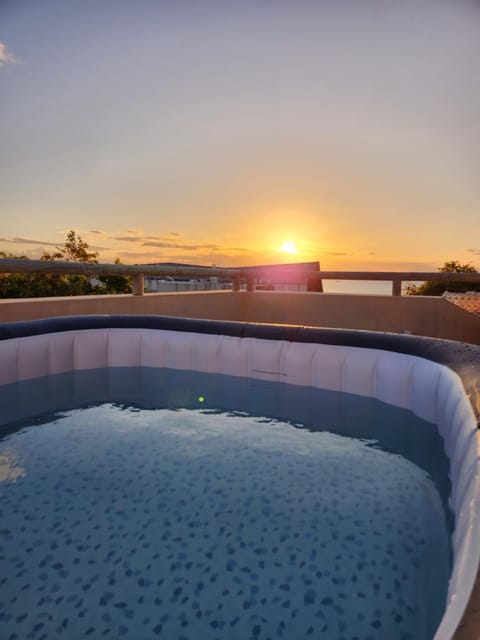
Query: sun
[{"x": 288, "y": 247}]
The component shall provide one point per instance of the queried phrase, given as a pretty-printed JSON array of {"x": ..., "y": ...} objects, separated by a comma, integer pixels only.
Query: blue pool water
[{"x": 176, "y": 515}]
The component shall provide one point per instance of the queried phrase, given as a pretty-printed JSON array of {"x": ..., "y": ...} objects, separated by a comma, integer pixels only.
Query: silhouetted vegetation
[
  {"x": 39, "y": 285},
  {"x": 438, "y": 287}
]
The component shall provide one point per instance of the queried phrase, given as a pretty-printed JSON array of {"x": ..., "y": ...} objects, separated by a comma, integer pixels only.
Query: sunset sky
[{"x": 217, "y": 132}]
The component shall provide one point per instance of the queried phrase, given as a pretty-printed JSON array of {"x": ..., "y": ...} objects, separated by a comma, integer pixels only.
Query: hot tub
[{"x": 292, "y": 374}]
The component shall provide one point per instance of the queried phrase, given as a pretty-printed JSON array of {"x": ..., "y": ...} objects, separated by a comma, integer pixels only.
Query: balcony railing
[{"x": 248, "y": 275}]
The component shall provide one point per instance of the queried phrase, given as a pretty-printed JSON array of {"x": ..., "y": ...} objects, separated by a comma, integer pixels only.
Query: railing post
[
  {"x": 396, "y": 287},
  {"x": 138, "y": 284},
  {"x": 315, "y": 284},
  {"x": 236, "y": 284},
  {"x": 250, "y": 284}
]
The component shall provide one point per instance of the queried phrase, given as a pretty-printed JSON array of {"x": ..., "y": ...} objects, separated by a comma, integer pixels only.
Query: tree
[
  {"x": 436, "y": 288},
  {"x": 12, "y": 285},
  {"x": 54, "y": 284},
  {"x": 116, "y": 284},
  {"x": 35, "y": 285},
  {"x": 74, "y": 250}
]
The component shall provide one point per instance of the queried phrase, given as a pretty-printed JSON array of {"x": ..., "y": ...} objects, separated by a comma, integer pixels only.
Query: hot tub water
[{"x": 122, "y": 521}]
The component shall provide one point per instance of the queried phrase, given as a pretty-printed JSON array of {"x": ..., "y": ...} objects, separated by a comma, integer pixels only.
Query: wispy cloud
[
  {"x": 136, "y": 235},
  {"x": 134, "y": 246},
  {"x": 223, "y": 256},
  {"x": 6, "y": 56},
  {"x": 126, "y": 238},
  {"x": 98, "y": 232},
  {"x": 29, "y": 241},
  {"x": 476, "y": 252},
  {"x": 170, "y": 241},
  {"x": 43, "y": 243},
  {"x": 181, "y": 245}
]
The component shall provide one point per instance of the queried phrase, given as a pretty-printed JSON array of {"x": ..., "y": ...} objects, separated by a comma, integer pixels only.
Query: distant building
[
  {"x": 285, "y": 277},
  {"x": 154, "y": 284}
]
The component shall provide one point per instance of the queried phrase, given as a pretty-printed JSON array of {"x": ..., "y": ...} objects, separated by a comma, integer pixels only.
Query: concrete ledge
[{"x": 418, "y": 315}]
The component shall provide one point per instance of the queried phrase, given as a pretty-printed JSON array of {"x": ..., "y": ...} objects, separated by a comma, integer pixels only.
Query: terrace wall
[{"x": 419, "y": 315}]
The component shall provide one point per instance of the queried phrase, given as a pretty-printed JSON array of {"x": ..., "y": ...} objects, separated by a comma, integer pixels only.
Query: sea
[
  {"x": 359, "y": 287},
  {"x": 369, "y": 287}
]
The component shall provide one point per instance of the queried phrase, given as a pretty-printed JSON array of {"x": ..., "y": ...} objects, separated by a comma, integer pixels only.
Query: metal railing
[
  {"x": 249, "y": 275},
  {"x": 398, "y": 277}
]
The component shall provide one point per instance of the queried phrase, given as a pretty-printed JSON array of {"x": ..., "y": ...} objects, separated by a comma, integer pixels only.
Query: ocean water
[
  {"x": 184, "y": 514},
  {"x": 371, "y": 287}
]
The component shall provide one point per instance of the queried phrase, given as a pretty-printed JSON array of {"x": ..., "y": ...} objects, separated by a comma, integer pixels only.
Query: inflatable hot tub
[{"x": 413, "y": 397}]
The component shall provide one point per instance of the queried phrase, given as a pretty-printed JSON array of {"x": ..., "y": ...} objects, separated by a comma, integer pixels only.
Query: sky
[{"x": 242, "y": 132}]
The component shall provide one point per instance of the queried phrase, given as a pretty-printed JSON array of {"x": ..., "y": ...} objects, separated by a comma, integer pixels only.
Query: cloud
[
  {"x": 132, "y": 246},
  {"x": 127, "y": 238},
  {"x": 99, "y": 232},
  {"x": 44, "y": 243},
  {"x": 172, "y": 241},
  {"x": 6, "y": 57},
  {"x": 184, "y": 246},
  {"x": 141, "y": 256},
  {"x": 132, "y": 235},
  {"x": 29, "y": 241},
  {"x": 336, "y": 253},
  {"x": 476, "y": 252},
  {"x": 136, "y": 233},
  {"x": 166, "y": 241},
  {"x": 235, "y": 251},
  {"x": 223, "y": 256}
]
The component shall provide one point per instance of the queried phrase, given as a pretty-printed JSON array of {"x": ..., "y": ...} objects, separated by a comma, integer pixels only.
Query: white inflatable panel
[
  {"x": 265, "y": 361},
  {"x": 297, "y": 363},
  {"x": 393, "y": 383},
  {"x": 205, "y": 354},
  {"x": 8, "y": 361},
  {"x": 61, "y": 354},
  {"x": 123, "y": 349},
  {"x": 359, "y": 372},
  {"x": 153, "y": 349},
  {"x": 425, "y": 380},
  {"x": 233, "y": 357},
  {"x": 33, "y": 357},
  {"x": 327, "y": 367},
  {"x": 90, "y": 348},
  {"x": 179, "y": 350}
]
